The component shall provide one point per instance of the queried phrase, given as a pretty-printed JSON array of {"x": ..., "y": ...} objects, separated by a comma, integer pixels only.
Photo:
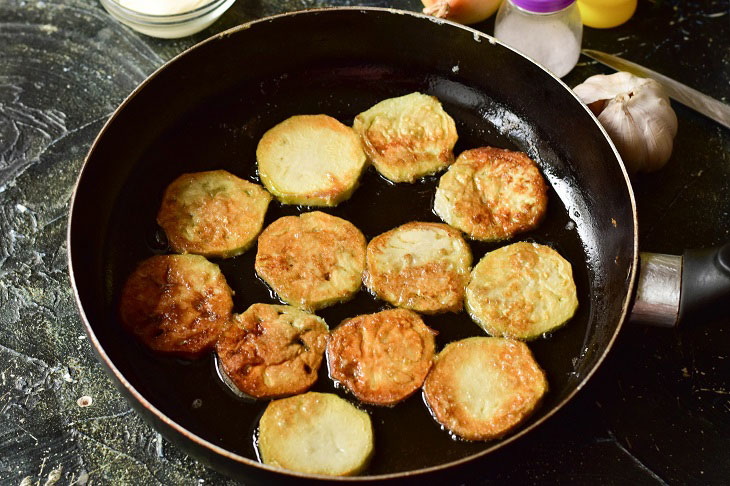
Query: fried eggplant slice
[
  {"x": 214, "y": 213},
  {"x": 481, "y": 388},
  {"x": 407, "y": 137},
  {"x": 522, "y": 291},
  {"x": 381, "y": 358},
  {"x": 316, "y": 433},
  {"x": 312, "y": 160},
  {"x": 176, "y": 304},
  {"x": 419, "y": 266},
  {"x": 312, "y": 260},
  {"x": 492, "y": 194},
  {"x": 272, "y": 350}
]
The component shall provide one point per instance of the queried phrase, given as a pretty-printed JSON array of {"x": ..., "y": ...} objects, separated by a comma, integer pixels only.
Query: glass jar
[
  {"x": 548, "y": 31},
  {"x": 154, "y": 22}
]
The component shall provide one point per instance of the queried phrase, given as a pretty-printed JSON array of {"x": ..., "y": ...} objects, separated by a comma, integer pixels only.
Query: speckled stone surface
[{"x": 657, "y": 412}]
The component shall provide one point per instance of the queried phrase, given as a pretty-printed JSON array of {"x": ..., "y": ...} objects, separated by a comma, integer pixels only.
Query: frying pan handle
[
  {"x": 673, "y": 289},
  {"x": 705, "y": 283}
]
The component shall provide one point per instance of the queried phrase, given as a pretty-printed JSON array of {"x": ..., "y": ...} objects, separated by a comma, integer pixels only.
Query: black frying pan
[{"x": 208, "y": 108}]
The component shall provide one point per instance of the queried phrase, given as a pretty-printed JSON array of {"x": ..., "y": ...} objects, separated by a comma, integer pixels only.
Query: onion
[{"x": 462, "y": 11}]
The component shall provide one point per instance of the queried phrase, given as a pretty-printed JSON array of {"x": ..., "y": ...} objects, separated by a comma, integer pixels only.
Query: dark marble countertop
[{"x": 656, "y": 412}]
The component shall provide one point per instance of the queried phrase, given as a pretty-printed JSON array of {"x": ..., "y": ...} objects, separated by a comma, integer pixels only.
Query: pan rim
[{"x": 141, "y": 400}]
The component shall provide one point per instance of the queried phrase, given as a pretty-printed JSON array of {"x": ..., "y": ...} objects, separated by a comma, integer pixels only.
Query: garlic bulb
[{"x": 636, "y": 114}]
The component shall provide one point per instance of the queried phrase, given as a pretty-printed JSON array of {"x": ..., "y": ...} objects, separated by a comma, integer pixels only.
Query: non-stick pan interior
[{"x": 208, "y": 109}]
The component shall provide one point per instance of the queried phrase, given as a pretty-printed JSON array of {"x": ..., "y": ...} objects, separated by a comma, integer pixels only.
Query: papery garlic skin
[{"x": 637, "y": 116}]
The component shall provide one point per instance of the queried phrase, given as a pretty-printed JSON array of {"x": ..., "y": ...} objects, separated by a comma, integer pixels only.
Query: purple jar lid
[{"x": 542, "y": 6}]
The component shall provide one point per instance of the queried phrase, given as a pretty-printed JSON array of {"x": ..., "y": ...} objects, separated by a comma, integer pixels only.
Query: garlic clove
[
  {"x": 636, "y": 114},
  {"x": 625, "y": 133},
  {"x": 608, "y": 86},
  {"x": 658, "y": 123}
]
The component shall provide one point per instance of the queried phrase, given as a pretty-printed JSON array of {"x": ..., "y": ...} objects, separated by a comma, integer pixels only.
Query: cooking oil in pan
[{"x": 407, "y": 436}]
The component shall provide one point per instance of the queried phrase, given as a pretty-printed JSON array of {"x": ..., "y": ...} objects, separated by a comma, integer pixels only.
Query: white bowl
[{"x": 168, "y": 26}]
